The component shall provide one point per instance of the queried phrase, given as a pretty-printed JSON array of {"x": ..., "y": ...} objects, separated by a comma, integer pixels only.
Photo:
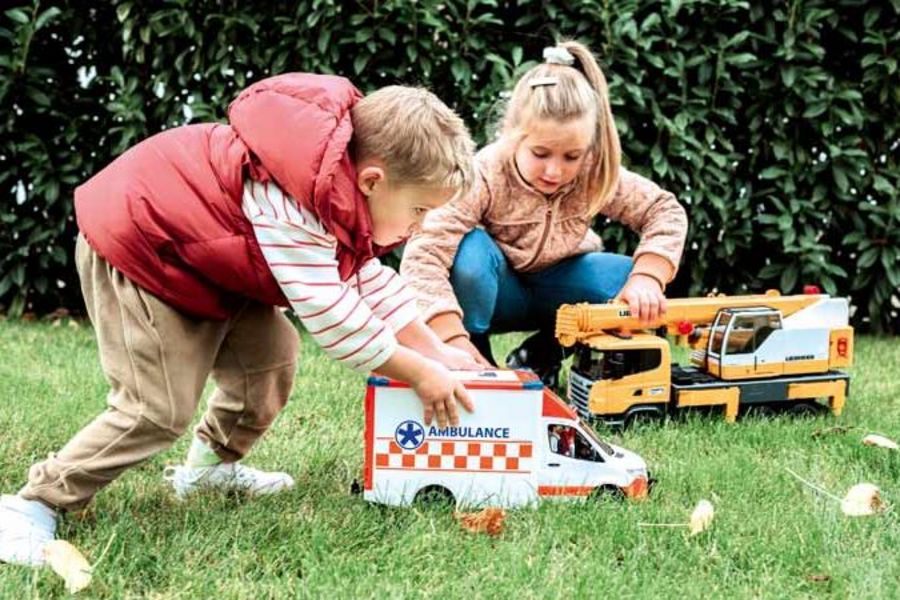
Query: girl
[{"x": 506, "y": 256}]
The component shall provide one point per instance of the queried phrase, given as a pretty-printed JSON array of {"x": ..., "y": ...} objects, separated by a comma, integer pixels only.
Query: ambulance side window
[
  {"x": 562, "y": 440},
  {"x": 553, "y": 438}
]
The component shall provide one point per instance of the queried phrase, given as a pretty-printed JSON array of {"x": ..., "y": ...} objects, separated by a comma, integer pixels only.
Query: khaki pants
[{"x": 157, "y": 361}]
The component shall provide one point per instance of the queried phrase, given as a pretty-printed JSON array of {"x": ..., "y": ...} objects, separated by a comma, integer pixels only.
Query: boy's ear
[{"x": 369, "y": 178}]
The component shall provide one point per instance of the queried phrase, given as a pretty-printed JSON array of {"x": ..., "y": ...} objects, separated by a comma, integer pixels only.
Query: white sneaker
[
  {"x": 227, "y": 477},
  {"x": 26, "y": 526}
]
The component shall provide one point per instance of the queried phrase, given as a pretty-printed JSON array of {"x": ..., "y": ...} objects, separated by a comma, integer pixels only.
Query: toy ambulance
[{"x": 520, "y": 445}]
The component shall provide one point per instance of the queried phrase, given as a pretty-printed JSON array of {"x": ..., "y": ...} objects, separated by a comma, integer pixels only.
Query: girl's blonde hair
[{"x": 563, "y": 93}]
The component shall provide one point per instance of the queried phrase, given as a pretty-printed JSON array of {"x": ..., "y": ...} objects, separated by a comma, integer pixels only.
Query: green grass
[{"x": 771, "y": 537}]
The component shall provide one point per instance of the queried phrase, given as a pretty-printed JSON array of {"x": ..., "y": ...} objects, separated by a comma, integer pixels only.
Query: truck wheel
[
  {"x": 434, "y": 495},
  {"x": 608, "y": 492},
  {"x": 644, "y": 418},
  {"x": 806, "y": 410},
  {"x": 761, "y": 411}
]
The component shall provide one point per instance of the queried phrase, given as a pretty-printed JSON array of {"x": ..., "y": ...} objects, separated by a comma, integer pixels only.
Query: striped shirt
[{"x": 353, "y": 321}]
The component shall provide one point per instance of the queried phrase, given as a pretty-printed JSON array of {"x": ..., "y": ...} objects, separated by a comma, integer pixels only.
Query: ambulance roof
[{"x": 496, "y": 379}]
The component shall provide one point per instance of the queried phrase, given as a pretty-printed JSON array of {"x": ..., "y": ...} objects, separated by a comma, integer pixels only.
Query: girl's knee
[
  {"x": 611, "y": 272},
  {"x": 617, "y": 273},
  {"x": 475, "y": 261},
  {"x": 475, "y": 245},
  {"x": 620, "y": 268}
]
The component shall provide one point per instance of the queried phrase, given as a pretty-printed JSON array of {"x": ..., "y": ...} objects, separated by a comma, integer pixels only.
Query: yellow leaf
[
  {"x": 863, "y": 499},
  {"x": 702, "y": 517},
  {"x": 879, "y": 440},
  {"x": 69, "y": 563}
]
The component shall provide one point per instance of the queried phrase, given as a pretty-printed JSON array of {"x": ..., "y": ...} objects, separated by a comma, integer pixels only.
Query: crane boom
[{"x": 575, "y": 322}]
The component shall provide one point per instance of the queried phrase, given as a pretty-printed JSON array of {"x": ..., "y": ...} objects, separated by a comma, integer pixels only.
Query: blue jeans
[{"x": 496, "y": 299}]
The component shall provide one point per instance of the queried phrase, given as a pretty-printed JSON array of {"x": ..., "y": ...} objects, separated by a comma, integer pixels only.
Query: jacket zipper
[{"x": 548, "y": 218}]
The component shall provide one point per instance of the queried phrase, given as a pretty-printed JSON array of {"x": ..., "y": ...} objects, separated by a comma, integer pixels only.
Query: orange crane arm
[{"x": 575, "y": 322}]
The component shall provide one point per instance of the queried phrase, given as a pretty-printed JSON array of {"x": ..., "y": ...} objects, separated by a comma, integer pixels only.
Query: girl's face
[{"x": 552, "y": 152}]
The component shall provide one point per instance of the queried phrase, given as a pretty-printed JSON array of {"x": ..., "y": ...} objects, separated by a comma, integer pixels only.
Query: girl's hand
[
  {"x": 463, "y": 344},
  {"x": 645, "y": 298},
  {"x": 460, "y": 358}
]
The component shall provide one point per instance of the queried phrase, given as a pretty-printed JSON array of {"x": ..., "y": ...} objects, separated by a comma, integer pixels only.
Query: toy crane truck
[
  {"x": 510, "y": 452},
  {"x": 762, "y": 351}
]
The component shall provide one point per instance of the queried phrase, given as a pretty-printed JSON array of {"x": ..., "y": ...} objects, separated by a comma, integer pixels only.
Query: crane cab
[
  {"x": 746, "y": 343},
  {"x": 758, "y": 342}
]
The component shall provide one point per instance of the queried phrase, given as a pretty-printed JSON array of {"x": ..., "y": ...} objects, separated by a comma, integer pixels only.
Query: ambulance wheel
[
  {"x": 434, "y": 495},
  {"x": 608, "y": 492}
]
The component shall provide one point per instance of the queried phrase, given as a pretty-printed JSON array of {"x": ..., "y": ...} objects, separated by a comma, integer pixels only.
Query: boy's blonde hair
[
  {"x": 563, "y": 93},
  {"x": 419, "y": 138}
]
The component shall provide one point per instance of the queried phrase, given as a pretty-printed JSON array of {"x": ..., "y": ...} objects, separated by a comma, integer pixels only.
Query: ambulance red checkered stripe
[
  {"x": 456, "y": 455},
  {"x": 516, "y": 449},
  {"x": 430, "y": 470}
]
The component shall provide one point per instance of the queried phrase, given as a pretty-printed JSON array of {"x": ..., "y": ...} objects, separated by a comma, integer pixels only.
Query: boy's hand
[
  {"x": 436, "y": 388},
  {"x": 453, "y": 356},
  {"x": 645, "y": 298},
  {"x": 440, "y": 392}
]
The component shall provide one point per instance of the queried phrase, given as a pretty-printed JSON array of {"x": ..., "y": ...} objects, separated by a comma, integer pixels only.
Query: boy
[{"x": 189, "y": 240}]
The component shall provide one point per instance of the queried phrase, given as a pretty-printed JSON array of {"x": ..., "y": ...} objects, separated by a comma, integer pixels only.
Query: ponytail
[{"x": 603, "y": 175}]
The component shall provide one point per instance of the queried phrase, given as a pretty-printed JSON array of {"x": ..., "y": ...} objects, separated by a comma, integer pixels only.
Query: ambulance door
[{"x": 569, "y": 461}]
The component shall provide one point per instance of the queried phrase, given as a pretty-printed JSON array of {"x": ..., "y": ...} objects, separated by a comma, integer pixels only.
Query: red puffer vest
[{"x": 167, "y": 213}]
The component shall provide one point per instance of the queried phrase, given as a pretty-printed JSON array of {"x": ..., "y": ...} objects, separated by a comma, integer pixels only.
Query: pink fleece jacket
[{"x": 535, "y": 231}]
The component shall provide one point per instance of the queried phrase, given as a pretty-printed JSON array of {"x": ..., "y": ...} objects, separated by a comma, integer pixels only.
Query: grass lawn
[{"x": 771, "y": 538}]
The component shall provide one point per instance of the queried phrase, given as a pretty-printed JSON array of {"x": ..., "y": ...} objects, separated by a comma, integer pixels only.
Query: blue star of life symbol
[{"x": 409, "y": 435}]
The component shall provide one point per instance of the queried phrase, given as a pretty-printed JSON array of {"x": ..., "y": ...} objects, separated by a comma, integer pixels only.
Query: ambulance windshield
[{"x": 600, "y": 443}]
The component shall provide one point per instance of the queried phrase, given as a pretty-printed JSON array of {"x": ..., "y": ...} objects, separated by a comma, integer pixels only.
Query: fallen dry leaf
[
  {"x": 862, "y": 500},
  {"x": 702, "y": 517},
  {"x": 818, "y": 577},
  {"x": 831, "y": 430},
  {"x": 69, "y": 563},
  {"x": 879, "y": 440},
  {"x": 489, "y": 521},
  {"x": 59, "y": 313}
]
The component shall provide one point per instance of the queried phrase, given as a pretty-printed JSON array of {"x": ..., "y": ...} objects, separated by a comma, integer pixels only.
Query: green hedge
[{"x": 776, "y": 125}]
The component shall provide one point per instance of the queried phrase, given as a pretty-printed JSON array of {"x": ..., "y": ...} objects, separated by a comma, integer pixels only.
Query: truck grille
[{"x": 579, "y": 392}]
